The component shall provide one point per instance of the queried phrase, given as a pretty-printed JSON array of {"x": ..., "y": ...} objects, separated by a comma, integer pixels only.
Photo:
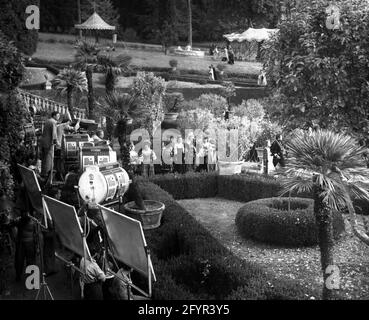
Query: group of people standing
[
  {"x": 228, "y": 53},
  {"x": 177, "y": 156}
]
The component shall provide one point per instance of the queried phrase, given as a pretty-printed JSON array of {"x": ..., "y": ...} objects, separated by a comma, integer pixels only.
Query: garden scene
[{"x": 220, "y": 153}]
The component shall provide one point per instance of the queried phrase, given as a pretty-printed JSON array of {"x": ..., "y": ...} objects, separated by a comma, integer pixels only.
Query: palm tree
[
  {"x": 189, "y": 23},
  {"x": 121, "y": 108},
  {"x": 331, "y": 166},
  {"x": 86, "y": 60},
  {"x": 113, "y": 67},
  {"x": 69, "y": 81}
]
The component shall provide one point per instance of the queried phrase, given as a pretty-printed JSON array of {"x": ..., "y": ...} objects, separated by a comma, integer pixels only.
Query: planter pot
[
  {"x": 229, "y": 168},
  {"x": 149, "y": 218}
]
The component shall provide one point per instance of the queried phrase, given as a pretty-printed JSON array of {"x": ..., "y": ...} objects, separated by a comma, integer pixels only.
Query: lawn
[
  {"x": 302, "y": 264},
  {"x": 63, "y": 53}
]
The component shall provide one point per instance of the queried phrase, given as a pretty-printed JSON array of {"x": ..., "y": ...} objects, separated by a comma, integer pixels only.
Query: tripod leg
[{"x": 48, "y": 290}]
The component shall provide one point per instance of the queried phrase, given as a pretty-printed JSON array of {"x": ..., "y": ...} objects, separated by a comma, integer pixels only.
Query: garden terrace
[
  {"x": 191, "y": 264},
  {"x": 205, "y": 197}
]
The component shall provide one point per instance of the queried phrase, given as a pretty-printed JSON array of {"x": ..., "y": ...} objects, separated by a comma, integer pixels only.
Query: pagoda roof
[{"x": 95, "y": 22}]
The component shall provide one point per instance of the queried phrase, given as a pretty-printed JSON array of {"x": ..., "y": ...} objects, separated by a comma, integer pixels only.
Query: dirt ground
[{"x": 302, "y": 264}]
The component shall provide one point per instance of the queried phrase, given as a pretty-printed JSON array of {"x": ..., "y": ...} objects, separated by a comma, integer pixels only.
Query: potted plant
[{"x": 150, "y": 216}]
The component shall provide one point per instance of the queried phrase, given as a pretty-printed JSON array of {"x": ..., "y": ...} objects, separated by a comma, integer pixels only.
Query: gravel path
[{"x": 302, "y": 264}]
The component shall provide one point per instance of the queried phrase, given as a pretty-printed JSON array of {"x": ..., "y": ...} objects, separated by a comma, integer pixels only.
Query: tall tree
[
  {"x": 321, "y": 73},
  {"x": 121, "y": 108},
  {"x": 79, "y": 17},
  {"x": 86, "y": 60},
  {"x": 13, "y": 113},
  {"x": 112, "y": 67},
  {"x": 189, "y": 23},
  {"x": 331, "y": 167}
]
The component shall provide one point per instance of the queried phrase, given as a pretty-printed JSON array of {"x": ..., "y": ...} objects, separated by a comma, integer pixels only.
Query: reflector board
[
  {"x": 127, "y": 240},
  {"x": 33, "y": 190},
  {"x": 67, "y": 226}
]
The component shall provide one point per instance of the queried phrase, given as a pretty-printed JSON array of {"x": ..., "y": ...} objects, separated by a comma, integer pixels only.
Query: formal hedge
[
  {"x": 191, "y": 264},
  {"x": 243, "y": 188},
  {"x": 269, "y": 221},
  {"x": 189, "y": 185},
  {"x": 246, "y": 188}
]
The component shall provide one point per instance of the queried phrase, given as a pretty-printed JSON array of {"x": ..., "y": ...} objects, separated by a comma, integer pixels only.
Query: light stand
[{"x": 43, "y": 285}]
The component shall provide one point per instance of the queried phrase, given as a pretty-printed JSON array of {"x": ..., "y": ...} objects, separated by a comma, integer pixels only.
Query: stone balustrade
[{"x": 43, "y": 104}]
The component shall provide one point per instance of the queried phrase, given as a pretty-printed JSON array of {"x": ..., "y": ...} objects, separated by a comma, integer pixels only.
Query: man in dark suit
[
  {"x": 48, "y": 140},
  {"x": 277, "y": 151}
]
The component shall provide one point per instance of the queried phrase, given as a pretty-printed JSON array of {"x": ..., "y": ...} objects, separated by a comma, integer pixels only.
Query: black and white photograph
[{"x": 190, "y": 155}]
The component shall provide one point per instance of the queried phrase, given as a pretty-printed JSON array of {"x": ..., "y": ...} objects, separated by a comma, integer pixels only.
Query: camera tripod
[{"x": 44, "y": 288}]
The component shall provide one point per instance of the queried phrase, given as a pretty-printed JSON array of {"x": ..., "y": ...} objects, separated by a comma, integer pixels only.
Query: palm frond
[
  {"x": 332, "y": 161},
  {"x": 86, "y": 55},
  {"x": 70, "y": 79},
  {"x": 116, "y": 65},
  {"x": 296, "y": 184}
]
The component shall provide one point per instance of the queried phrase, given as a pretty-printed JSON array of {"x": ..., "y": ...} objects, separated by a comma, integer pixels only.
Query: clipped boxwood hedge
[
  {"x": 191, "y": 264},
  {"x": 243, "y": 188},
  {"x": 189, "y": 185},
  {"x": 268, "y": 220}
]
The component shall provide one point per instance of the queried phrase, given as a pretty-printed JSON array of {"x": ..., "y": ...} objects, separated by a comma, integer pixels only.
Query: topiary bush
[
  {"x": 268, "y": 220},
  {"x": 173, "y": 63}
]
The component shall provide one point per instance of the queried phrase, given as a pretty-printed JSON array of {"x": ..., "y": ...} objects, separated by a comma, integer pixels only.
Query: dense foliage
[
  {"x": 11, "y": 65},
  {"x": 150, "y": 91},
  {"x": 319, "y": 74},
  {"x": 13, "y": 24},
  {"x": 166, "y": 21},
  {"x": 269, "y": 220}
]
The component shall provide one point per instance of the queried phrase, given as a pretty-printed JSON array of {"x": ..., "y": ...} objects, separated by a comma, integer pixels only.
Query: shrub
[
  {"x": 191, "y": 264},
  {"x": 247, "y": 188},
  {"x": 173, "y": 63},
  {"x": 11, "y": 65},
  {"x": 268, "y": 220},
  {"x": 173, "y": 101},
  {"x": 195, "y": 119},
  {"x": 188, "y": 186}
]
